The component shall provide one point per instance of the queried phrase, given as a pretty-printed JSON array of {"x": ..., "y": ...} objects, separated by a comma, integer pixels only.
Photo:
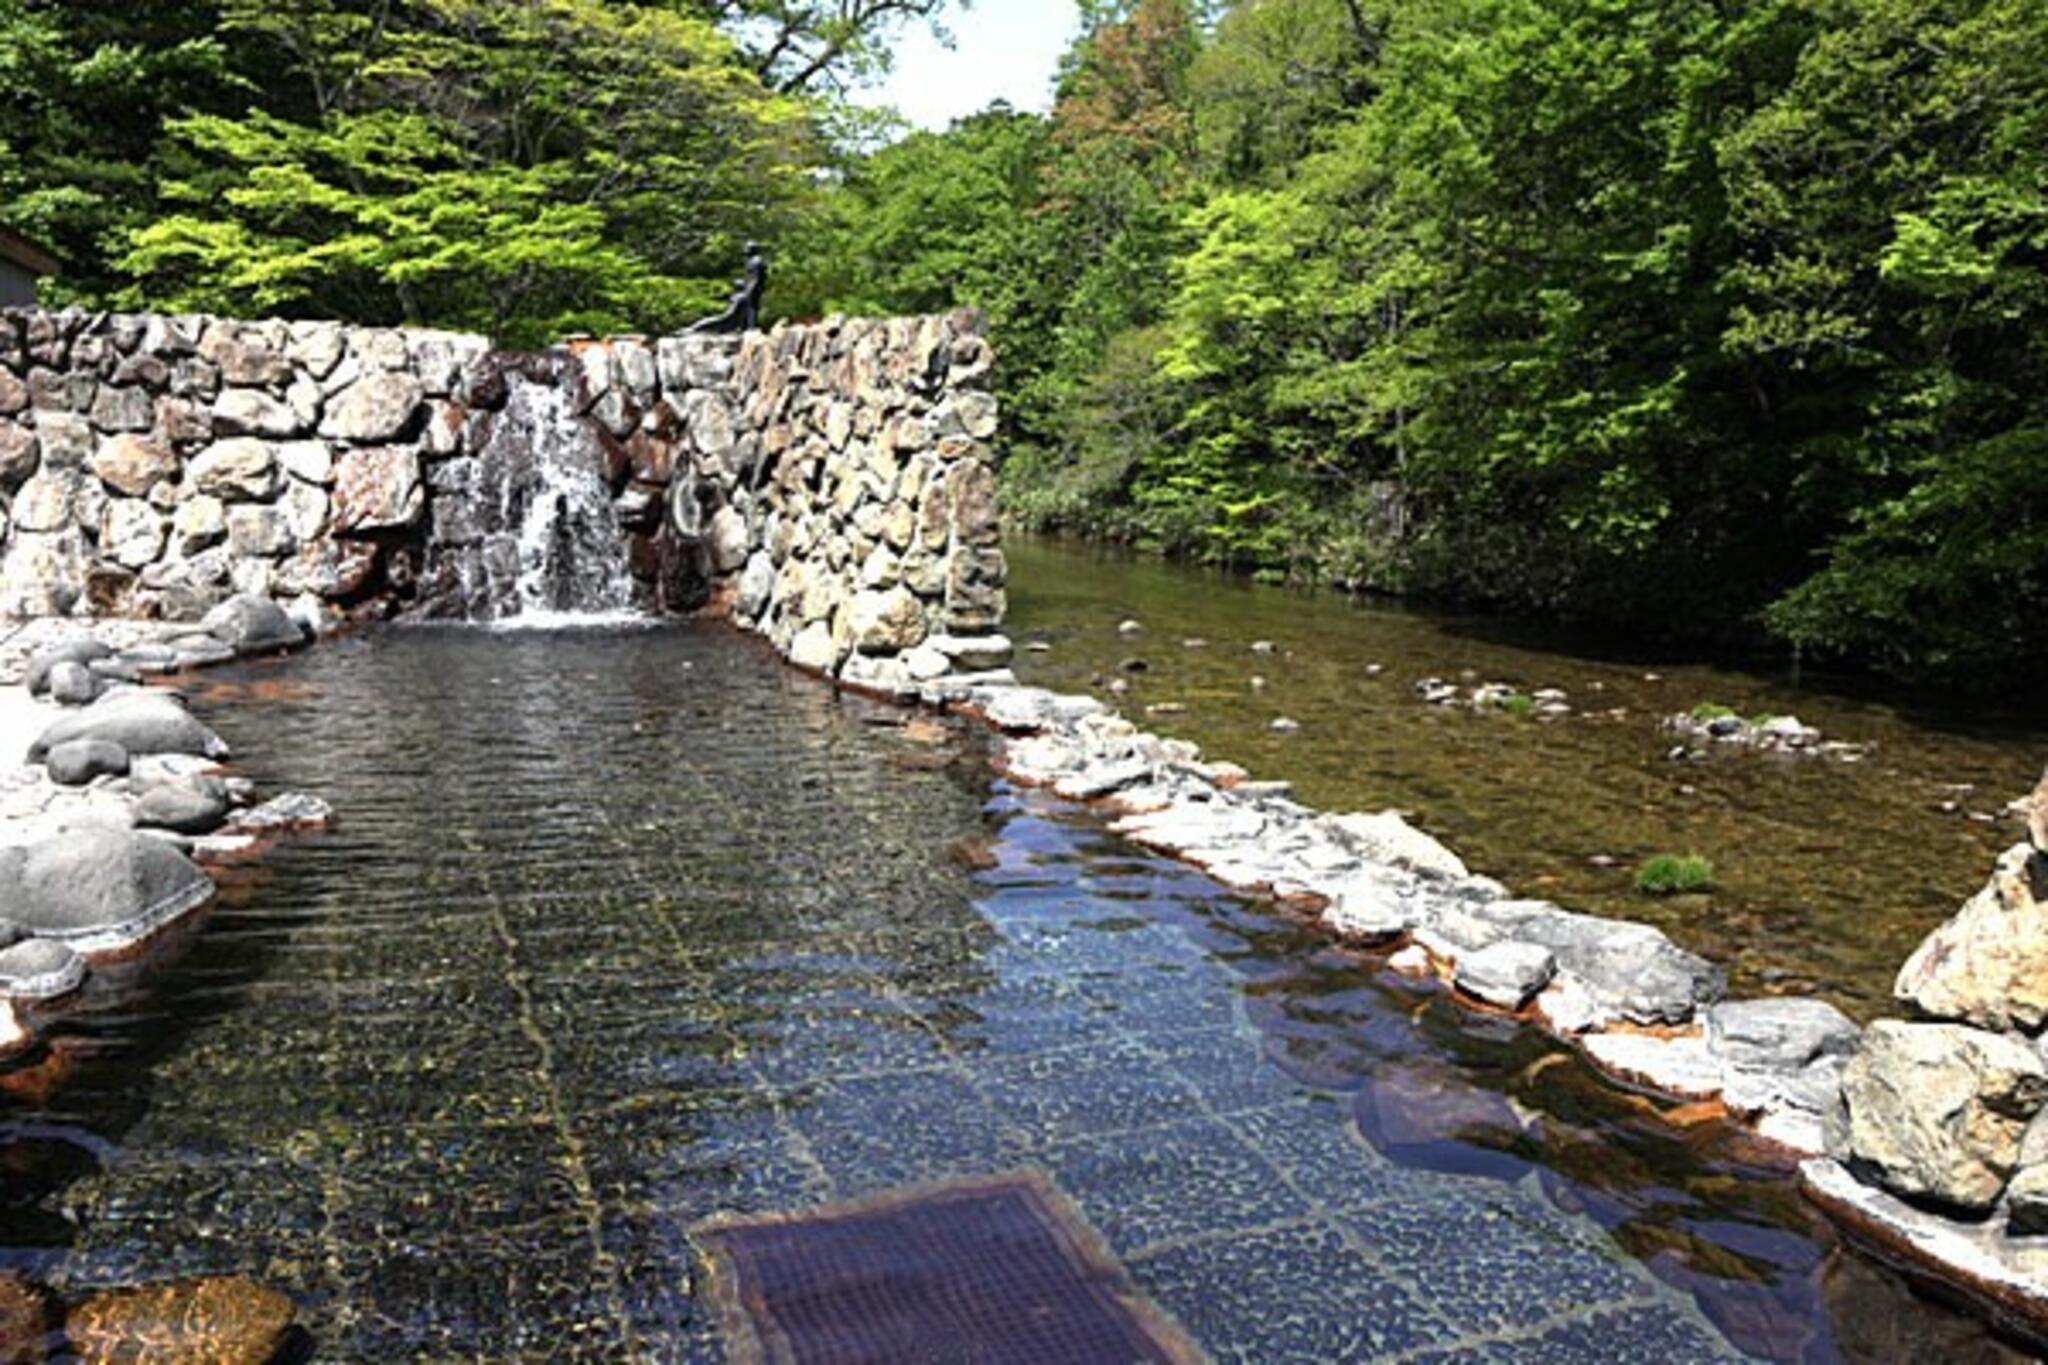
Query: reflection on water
[
  {"x": 623, "y": 931},
  {"x": 1829, "y": 873}
]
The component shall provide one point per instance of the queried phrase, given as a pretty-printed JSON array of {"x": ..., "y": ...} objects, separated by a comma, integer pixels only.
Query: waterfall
[{"x": 551, "y": 552}]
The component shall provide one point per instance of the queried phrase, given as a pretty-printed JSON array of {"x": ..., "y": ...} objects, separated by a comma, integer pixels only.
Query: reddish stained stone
[{"x": 219, "y": 1321}]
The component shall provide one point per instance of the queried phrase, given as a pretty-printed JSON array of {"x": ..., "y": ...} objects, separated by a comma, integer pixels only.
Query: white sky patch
[{"x": 1003, "y": 50}]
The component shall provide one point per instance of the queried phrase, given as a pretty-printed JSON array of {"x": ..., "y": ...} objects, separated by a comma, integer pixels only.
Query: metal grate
[{"x": 998, "y": 1270}]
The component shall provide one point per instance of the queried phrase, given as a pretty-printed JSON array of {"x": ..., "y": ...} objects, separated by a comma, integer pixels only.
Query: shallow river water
[
  {"x": 1827, "y": 873},
  {"x": 624, "y": 931}
]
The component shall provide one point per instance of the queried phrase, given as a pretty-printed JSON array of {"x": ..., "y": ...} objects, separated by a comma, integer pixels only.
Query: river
[{"x": 1827, "y": 872}]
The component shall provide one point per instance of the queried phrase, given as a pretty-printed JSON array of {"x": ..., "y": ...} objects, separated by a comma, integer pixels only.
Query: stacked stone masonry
[{"x": 830, "y": 486}]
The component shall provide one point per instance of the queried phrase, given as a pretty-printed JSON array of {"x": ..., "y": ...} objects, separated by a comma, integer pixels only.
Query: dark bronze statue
[{"x": 743, "y": 310}]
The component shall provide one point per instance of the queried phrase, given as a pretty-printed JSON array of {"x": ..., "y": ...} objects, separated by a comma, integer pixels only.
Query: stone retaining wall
[{"x": 830, "y": 486}]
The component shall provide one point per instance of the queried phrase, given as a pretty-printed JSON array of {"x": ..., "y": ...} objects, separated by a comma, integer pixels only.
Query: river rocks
[
  {"x": 195, "y": 806},
  {"x": 1989, "y": 965},
  {"x": 79, "y": 761},
  {"x": 251, "y": 412},
  {"x": 1779, "y": 1035},
  {"x": 252, "y": 625},
  {"x": 223, "y": 1321},
  {"x": 291, "y": 812},
  {"x": 142, "y": 722},
  {"x": 1388, "y": 838},
  {"x": 73, "y": 684},
  {"x": 99, "y": 889},
  {"x": 1507, "y": 974},
  {"x": 39, "y": 969},
  {"x": 1936, "y": 1112}
]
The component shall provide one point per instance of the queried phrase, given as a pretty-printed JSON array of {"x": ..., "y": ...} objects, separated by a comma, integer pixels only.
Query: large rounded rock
[
  {"x": 98, "y": 889},
  {"x": 220, "y": 1321},
  {"x": 80, "y": 651},
  {"x": 77, "y": 762},
  {"x": 378, "y": 490},
  {"x": 39, "y": 969},
  {"x": 1989, "y": 965},
  {"x": 888, "y": 622},
  {"x": 73, "y": 684},
  {"x": 1936, "y": 1112},
  {"x": 197, "y": 806},
  {"x": 252, "y": 625},
  {"x": 142, "y": 722}
]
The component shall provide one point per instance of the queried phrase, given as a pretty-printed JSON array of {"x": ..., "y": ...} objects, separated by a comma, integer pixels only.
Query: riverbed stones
[
  {"x": 196, "y": 805},
  {"x": 39, "y": 969},
  {"x": 73, "y": 684},
  {"x": 140, "y": 721},
  {"x": 220, "y": 1321},
  {"x": 79, "y": 761},
  {"x": 1936, "y": 1112},
  {"x": 99, "y": 889},
  {"x": 1989, "y": 965},
  {"x": 1507, "y": 974}
]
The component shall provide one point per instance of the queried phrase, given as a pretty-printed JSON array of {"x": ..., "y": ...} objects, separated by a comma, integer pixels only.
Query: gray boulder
[
  {"x": 73, "y": 684},
  {"x": 98, "y": 889},
  {"x": 79, "y": 651},
  {"x": 1506, "y": 974},
  {"x": 291, "y": 811},
  {"x": 39, "y": 969},
  {"x": 196, "y": 806},
  {"x": 1631, "y": 971},
  {"x": 1779, "y": 1035},
  {"x": 252, "y": 625},
  {"x": 140, "y": 721},
  {"x": 1937, "y": 1112},
  {"x": 79, "y": 761}
]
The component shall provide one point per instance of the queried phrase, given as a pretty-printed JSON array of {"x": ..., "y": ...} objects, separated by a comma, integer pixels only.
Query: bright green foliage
[
  {"x": 1669, "y": 874},
  {"x": 1727, "y": 321},
  {"x": 521, "y": 166},
  {"x": 1712, "y": 710},
  {"x": 507, "y": 167}
]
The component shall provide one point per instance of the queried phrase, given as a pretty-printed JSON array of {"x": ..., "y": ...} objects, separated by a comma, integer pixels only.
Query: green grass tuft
[
  {"x": 1669, "y": 874},
  {"x": 1518, "y": 705},
  {"x": 1711, "y": 711}
]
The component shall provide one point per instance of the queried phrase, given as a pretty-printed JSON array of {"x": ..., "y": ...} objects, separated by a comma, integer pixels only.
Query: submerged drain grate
[{"x": 997, "y": 1270}]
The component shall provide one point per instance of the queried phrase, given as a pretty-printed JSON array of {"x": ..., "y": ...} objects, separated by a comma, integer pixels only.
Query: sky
[{"x": 1003, "y": 49}]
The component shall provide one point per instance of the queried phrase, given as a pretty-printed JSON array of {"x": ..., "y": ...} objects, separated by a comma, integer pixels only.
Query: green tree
[{"x": 522, "y": 169}]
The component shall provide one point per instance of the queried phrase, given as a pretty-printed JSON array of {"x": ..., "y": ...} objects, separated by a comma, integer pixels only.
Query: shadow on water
[
  {"x": 621, "y": 931},
  {"x": 1828, "y": 873}
]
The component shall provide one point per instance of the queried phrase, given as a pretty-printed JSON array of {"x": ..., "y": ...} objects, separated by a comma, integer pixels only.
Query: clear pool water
[{"x": 623, "y": 930}]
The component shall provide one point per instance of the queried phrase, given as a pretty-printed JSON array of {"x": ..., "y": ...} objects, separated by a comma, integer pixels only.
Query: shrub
[
  {"x": 1669, "y": 874},
  {"x": 1518, "y": 704}
]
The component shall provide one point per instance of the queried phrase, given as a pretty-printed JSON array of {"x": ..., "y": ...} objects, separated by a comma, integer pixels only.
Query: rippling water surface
[{"x": 625, "y": 930}]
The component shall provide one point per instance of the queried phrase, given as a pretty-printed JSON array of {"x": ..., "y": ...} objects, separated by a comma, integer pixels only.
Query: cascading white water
[{"x": 553, "y": 553}]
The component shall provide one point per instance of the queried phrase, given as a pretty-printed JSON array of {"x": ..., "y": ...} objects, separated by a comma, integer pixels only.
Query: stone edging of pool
[
  {"x": 114, "y": 800},
  {"x": 1906, "y": 1109}
]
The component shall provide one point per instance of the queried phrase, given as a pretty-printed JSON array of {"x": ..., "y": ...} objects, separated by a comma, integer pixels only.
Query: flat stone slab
[{"x": 2006, "y": 1278}]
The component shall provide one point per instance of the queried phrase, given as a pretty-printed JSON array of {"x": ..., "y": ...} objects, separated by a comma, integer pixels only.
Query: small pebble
[
  {"x": 1194, "y": 642},
  {"x": 1286, "y": 726},
  {"x": 1374, "y": 670},
  {"x": 1258, "y": 683},
  {"x": 1131, "y": 628},
  {"x": 1134, "y": 665},
  {"x": 1262, "y": 646},
  {"x": 1038, "y": 647}
]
